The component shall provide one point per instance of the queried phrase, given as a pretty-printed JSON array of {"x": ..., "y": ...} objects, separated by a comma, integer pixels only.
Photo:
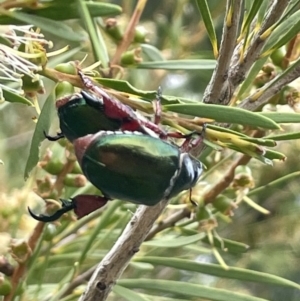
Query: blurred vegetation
[{"x": 247, "y": 217}]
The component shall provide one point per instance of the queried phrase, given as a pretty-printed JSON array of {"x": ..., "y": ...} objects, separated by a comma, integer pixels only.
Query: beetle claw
[
  {"x": 66, "y": 206},
  {"x": 54, "y": 138}
]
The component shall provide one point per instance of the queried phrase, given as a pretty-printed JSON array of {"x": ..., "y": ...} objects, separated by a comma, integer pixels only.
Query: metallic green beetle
[
  {"x": 134, "y": 167},
  {"x": 129, "y": 166},
  {"x": 93, "y": 110}
]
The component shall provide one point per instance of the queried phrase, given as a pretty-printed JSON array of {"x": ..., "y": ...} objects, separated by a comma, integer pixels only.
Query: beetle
[
  {"x": 130, "y": 166},
  {"x": 92, "y": 110}
]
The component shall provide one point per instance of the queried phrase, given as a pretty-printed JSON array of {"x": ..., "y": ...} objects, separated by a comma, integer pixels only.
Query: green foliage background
[{"x": 179, "y": 57}]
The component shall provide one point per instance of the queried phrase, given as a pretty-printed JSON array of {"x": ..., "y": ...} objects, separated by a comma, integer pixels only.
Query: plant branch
[
  {"x": 20, "y": 270},
  {"x": 225, "y": 181},
  {"x": 168, "y": 222},
  {"x": 129, "y": 33},
  {"x": 76, "y": 282},
  {"x": 139, "y": 229},
  {"x": 218, "y": 90},
  {"x": 252, "y": 103},
  {"x": 114, "y": 263},
  {"x": 239, "y": 67}
]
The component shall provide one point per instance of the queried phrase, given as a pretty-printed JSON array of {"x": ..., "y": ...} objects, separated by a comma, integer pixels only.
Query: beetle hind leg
[{"x": 66, "y": 206}]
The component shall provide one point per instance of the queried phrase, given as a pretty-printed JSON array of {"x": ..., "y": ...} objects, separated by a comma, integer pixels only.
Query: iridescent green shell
[{"x": 134, "y": 167}]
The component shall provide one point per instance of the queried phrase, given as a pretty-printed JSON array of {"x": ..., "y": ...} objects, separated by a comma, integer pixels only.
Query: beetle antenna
[{"x": 66, "y": 206}]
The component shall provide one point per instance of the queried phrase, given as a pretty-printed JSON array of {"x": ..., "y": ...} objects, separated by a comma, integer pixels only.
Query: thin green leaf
[
  {"x": 209, "y": 25},
  {"x": 262, "y": 12},
  {"x": 62, "y": 10},
  {"x": 225, "y": 130},
  {"x": 267, "y": 141},
  {"x": 264, "y": 160},
  {"x": 187, "y": 289},
  {"x": 201, "y": 64},
  {"x": 43, "y": 124},
  {"x": 106, "y": 216},
  {"x": 98, "y": 45},
  {"x": 248, "y": 82},
  {"x": 223, "y": 114},
  {"x": 229, "y": 245},
  {"x": 100, "y": 9},
  {"x": 128, "y": 294},
  {"x": 254, "y": 153},
  {"x": 288, "y": 136},
  {"x": 58, "y": 29},
  {"x": 217, "y": 270},
  {"x": 63, "y": 57},
  {"x": 277, "y": 183},
  {"x": 282, "y": 117},
  {"x": 5, "y": 41},
  {"x": 252, "y": 13},
  {"x": 292, "y": 7},
  {"x": 151, "y": 52},
  {"x": 174, "y": 242},
  {"x": 141, "y": 266},
  {"x": 212, "y": 145},
  {"x": 273, "y": 155},
  {"x": 124, "y": 86},
  {"x": 282, "y": 34},
  {"x": 261, "y": 141},
  {"x": 13, "y": 97},
  {"x": 154, "y": 298}
]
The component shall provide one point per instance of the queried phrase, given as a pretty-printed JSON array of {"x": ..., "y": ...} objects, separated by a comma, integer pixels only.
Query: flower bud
[{"x": 69, "y": 68}]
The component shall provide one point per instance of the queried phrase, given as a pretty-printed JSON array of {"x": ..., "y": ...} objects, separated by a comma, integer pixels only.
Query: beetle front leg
[
  {"x": 192, "y": 143},
  {"x": 54, "y": 138},
  {"x": 88, "y": 84},
  {"x": 93, "y": 101}
]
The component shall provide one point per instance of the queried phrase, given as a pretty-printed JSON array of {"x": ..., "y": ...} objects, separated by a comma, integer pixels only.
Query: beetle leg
[
  {"x": 157, "y": 106},
  {"x": 85, "y": 204},
  {"x": 191, "y": 200},
  {"x": 66, "y": 206},
  {"x": 192, "y": 143},
  {"x": 181, "y": 136},
  {"x": 54, "y": 138},
  {"x": 93, "y": 101},
  {"x": 157, "y": 118},
  {"x": 88, "y": 84},
  {"x": 81, "y": 204}
]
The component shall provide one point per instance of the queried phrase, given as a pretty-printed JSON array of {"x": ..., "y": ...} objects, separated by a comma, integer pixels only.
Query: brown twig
[
  {"x": 129, "y": 33},
  {"x": 21, "y": 268},
  {"x": 226, "y": 180},
  {"x": 252, "y": 103},
  {"x": 168, "y": 222},
  {"x": 59, "y": 183}
]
